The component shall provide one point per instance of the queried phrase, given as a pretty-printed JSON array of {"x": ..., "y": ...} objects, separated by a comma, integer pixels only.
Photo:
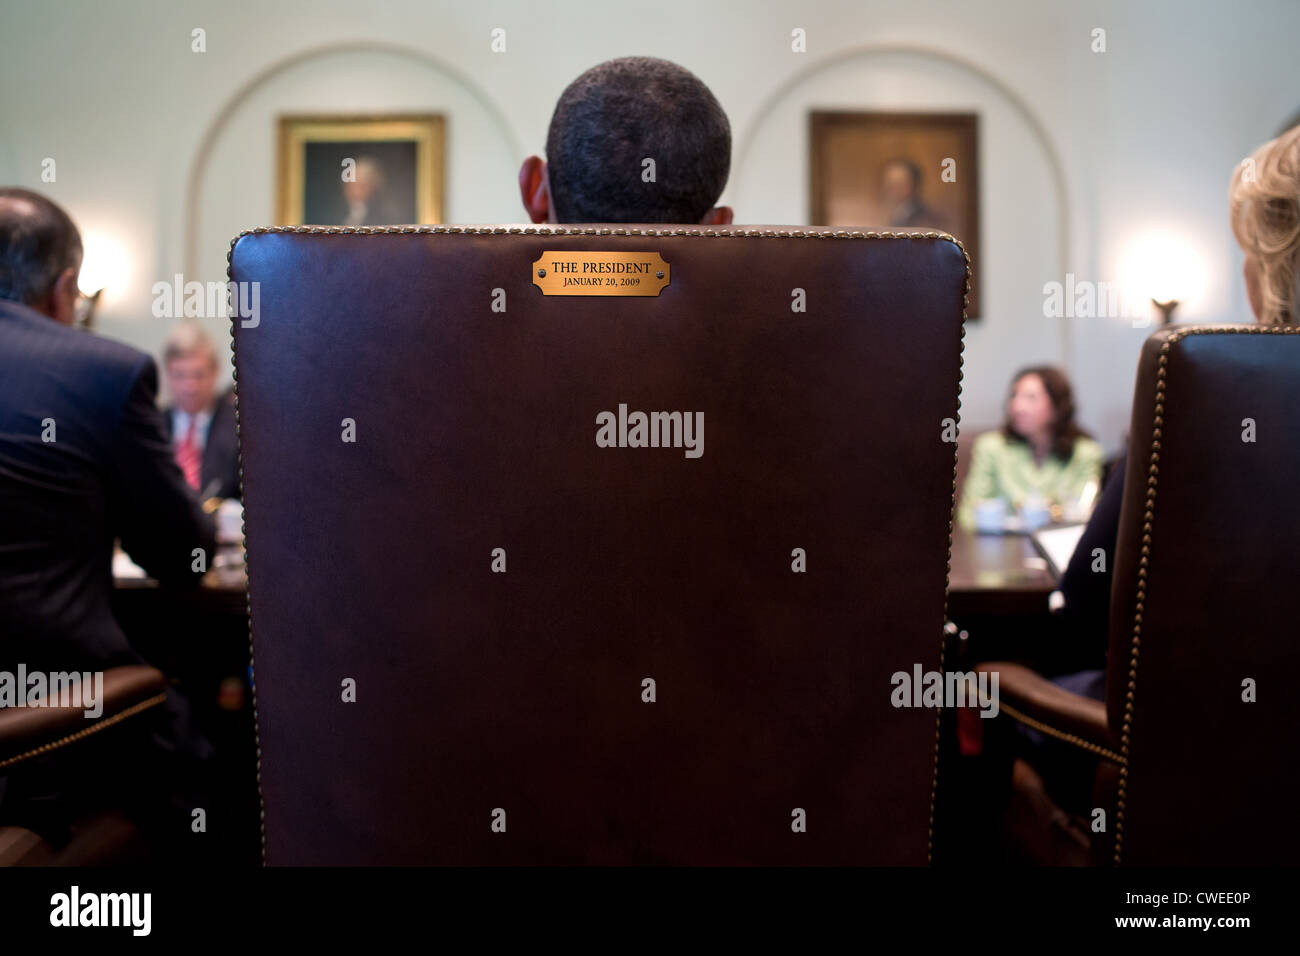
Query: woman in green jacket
[{"x": 1040, "y": 453}]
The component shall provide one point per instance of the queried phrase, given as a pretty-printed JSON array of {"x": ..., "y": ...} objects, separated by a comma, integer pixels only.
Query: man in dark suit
[
  {"x": 200, "y": 423},
  {"x": 84, "y": 460}
]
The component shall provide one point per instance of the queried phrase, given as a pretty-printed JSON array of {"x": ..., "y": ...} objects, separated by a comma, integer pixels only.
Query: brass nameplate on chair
[{"x": 600, "y": 273}]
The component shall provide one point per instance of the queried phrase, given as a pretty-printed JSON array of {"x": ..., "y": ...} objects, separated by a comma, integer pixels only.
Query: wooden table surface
[
  {"x": 996, "y": 575},
  {"x": 989, "y": 572}
]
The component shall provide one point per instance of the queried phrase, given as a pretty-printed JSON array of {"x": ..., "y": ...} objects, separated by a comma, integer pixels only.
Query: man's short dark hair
[
  {"x": 38, "y": 240},
  {"x": 620, "y": 113}
]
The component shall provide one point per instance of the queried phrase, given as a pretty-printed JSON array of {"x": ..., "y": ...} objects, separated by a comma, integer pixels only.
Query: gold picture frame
[
  {"x": 398, "y": 160},
  {"x": 852, "y": 152}
]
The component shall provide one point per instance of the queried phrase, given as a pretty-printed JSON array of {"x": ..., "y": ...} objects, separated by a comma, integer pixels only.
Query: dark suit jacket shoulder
[{"x": 83, "y": 460}]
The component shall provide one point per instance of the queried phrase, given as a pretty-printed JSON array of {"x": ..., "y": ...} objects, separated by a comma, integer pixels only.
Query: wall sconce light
[
  {"x": 1164, "y": 267},
  {"x": 103, "y": 263}
]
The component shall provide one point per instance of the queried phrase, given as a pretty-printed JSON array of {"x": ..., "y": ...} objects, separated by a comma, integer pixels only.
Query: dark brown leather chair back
[
  {"x": 1203, "y": 601},
  {"x": 501, "y": 709}
]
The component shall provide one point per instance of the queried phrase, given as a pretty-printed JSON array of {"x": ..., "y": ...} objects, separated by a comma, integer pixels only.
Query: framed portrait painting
[
  {"x": 898, "y": 171},
  {"x": 360, "y": 170}
]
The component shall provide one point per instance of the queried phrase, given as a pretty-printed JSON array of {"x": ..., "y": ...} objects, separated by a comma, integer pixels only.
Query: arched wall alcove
[
  {"x": 1022, "y": 244},
  {"x": 232, "y": 179}
]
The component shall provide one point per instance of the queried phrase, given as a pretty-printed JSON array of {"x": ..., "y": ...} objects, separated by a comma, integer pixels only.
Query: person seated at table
[
  {"x": 1264, "y": 212},
  {"x": 1038, "y": 453},
  {"x": 83, "y": 460},
  {"x": 200, "y": 422}
]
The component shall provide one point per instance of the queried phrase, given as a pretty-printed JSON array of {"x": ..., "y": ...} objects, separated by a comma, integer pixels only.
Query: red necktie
[{"x": 187, "y": 456}]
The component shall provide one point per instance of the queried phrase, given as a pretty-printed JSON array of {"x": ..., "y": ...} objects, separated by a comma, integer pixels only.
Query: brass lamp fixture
[{"x": 1166, "y": 309}]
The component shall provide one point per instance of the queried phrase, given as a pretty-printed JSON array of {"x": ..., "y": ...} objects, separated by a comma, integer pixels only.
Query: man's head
[
  {"x": 369, "y": 180},
  {"x": 901, "y": 181},
  {"x": 1264, "y": 208},
  {"x": 606, "y": 125},
  {"x": 40, "y": 254},
  {"x": 190, "y": 361}
]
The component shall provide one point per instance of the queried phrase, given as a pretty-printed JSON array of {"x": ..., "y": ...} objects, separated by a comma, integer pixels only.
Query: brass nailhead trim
[
  {"x": 1061, "y": 734},
  {"x": 82, "y": 734},
  {"x": 811, "y": 233},
  {"x": 1148, "y": 520},
  {"x": 952, "y": 505}
]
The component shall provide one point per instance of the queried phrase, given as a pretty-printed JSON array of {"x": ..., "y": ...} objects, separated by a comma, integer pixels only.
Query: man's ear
[
  {"x": 534, "y": 189},
  {"x": 718, "y": 216},
  {"x": 62, "y": 306}
]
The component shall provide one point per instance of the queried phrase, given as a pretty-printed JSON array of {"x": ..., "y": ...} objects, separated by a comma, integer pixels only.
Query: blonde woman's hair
[{"x": 1264, "y": 204}]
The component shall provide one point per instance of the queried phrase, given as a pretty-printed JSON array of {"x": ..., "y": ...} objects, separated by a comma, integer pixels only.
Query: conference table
[
  {"x": 1000, "y": 574},
  {"x": 993, "y": 579},
  {"x": 997, "y": 575}
]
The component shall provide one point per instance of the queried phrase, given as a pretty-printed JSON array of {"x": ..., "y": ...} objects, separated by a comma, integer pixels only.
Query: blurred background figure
[
  {"x": 1040, "y": 463},
  {"x": 901, "y": 189},
  {"x": 364, "y": 195},
  {"x": 1264, "y": 211},
  {"x": 200, "y": 422}
]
